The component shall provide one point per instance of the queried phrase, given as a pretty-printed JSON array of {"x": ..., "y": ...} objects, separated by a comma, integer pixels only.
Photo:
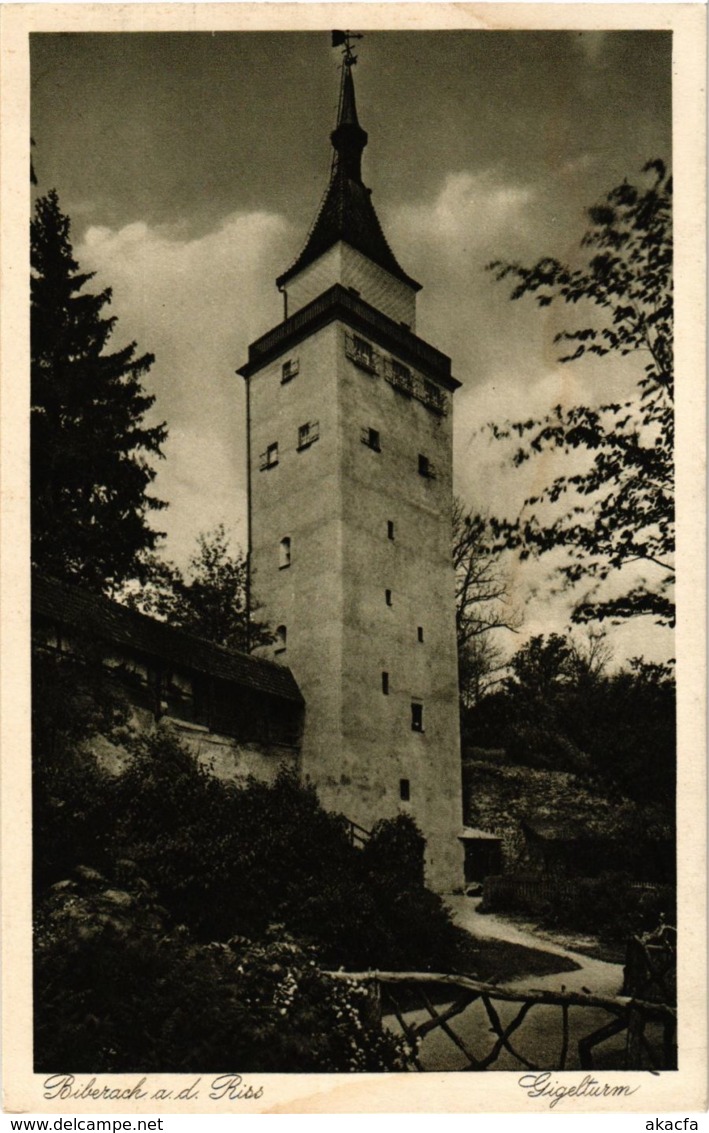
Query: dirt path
[
  {"x": 598, "y": 976},
  {"x": 539, "y": 1038}
]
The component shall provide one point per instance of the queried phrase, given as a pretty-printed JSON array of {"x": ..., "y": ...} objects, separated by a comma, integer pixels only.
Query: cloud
[
  {"x": 198, "y": 302},
  {"x": 504, "y": 354},
  {"x": 472, "y": 208},
  {"x": 195, "y": 304}
]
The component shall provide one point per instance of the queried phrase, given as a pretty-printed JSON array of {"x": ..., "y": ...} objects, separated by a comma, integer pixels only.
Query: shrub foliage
[{"x": 185, "y": 923}]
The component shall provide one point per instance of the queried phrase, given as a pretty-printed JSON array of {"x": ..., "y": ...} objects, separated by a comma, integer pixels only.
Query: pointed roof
[{"x": 347, "y": 212}]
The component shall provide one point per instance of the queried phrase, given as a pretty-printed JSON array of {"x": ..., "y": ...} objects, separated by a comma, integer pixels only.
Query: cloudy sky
[{"x": 192, "y": 166}]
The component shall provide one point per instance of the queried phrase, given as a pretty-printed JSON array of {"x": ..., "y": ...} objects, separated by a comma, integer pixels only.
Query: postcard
[{"x": 353, "y": 729}]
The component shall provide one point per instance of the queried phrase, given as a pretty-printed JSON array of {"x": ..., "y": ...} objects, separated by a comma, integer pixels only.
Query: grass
[{"x": 499, "y": 962}]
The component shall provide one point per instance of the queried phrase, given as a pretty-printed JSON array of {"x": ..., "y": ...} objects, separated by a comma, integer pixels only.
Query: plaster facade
[
  {"x": 368, "y": 589},
  {"x": 350, "y": 509}
]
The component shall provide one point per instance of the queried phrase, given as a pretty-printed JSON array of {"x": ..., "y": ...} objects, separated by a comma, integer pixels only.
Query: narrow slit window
[
  {"x": 416, "y": 716},
  {"x": 388, "y": 598},
  {"x": 424, "y": 466},
  {"x": 419, "y": 633},
  {"x": 404, "y": 790},
  {"x": 390, "y": 529},
  {"x": 385, "y": 683},
  {"x": 370, "y": 438},
  {"x": 281, "y": 637},
  {"x": 284, "y": 553}
]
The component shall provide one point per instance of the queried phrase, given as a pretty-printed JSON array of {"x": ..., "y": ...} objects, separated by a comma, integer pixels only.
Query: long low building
[{"x": 241, "y": 715}]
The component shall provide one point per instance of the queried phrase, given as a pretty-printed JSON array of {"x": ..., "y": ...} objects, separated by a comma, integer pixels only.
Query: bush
[
  {"x": 610, "y": 906},
  {"x": 229, "y": 860},
  {"x": 117, "y": 992},
  {"x": 395, "y": 851},
  {"x": 156, "y": 892},
  {"x": 71, "y": 794}
]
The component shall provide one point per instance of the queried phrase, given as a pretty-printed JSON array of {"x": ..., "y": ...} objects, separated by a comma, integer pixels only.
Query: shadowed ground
[{"x": 513, "y": 956}]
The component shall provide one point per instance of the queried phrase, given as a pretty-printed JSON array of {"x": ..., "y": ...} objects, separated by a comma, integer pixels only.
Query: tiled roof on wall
[{"x": 109, "y": 621}]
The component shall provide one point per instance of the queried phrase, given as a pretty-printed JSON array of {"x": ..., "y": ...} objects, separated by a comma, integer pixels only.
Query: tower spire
[
  {"x": 348, "y": 138},
  {"x": 346, "y": 212}
]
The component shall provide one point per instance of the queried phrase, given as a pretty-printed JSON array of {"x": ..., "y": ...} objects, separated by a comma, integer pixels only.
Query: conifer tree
[{"x": 90, "y": 441}]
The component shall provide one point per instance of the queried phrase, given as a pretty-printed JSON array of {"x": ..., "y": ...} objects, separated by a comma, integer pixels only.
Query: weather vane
[{"x": 344, "y": 39}]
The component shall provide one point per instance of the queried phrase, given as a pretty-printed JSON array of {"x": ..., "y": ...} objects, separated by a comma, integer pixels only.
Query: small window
[
  {"x": 387, "y": 597},
  {"x": 416, "y": 716},
  {"x": 385, "y": 683},
  {"x": 419, "y": 633},
  {"x": 308, "y": 434},
  {"x": 404, "y": 790},
  {"x": 370, "y": 437},
  {"x": 280, "y": 642},
  {"x": 362, "y": 353},
  {"x": 425, "y": 467},
  {"x": 284, "y": 553},
  {"x": 401, "y": 377},
  {"x": 269, "y": 458},
  {"x": 289, "y": 369},
  {"x": 390, "y": 528},
  {"x": 363, "y": 350},
  {"x": 432, "y": 396}
]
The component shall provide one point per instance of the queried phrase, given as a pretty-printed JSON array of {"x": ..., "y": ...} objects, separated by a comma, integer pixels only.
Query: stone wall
[{"x": 498, "y": 797}]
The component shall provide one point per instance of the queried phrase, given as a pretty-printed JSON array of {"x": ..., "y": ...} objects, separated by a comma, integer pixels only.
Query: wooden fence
[
  {"x": 643, "y": 1033},
  {"x": 533, "y": 891},
  {"x": 526, "y": 891},
  {"x": 651, "y": 966}
]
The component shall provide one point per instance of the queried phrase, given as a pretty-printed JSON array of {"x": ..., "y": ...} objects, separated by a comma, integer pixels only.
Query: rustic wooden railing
[
  {"x": 357, "y": 834},
  {"x": 651, "y": 966},
  {"x": 634, "y": 1017}
]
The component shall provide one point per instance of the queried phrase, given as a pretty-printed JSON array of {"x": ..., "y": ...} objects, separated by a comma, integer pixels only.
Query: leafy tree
[
  {"x": 542, "y": 666},
  {"x": 629, "y": 726},
  {"x": 619, "y": 509},
  {"x": 209, "y": 600},
  {"x": 482, "y": 603},
  {"x": 90, "y": 441},
  {"x": 562, "y": 709}
]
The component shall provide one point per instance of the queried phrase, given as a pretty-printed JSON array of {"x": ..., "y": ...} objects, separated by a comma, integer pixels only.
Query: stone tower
[{"x": 350, "y": 498}]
